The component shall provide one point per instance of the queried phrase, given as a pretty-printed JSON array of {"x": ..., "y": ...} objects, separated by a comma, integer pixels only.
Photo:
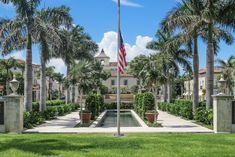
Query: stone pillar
[
  {"x": 222, "y": 113},
  {"x": 14, "y": 114}
]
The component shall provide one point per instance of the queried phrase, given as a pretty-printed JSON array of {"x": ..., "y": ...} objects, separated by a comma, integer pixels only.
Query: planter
[
  {"x": 86, "y": 117},
  {"x": 150, "y": 116}
]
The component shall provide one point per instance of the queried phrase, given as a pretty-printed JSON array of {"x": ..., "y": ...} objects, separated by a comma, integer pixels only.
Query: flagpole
[{"x": 118, "y": 74}]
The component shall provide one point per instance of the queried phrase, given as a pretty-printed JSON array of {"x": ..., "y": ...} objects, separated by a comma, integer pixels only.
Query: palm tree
[
  {"x": 8, "y": 64},
  {"x": 23, "y": 25},
  {"x": 171, "y": 57},
  {"x": 195, "y": 17},
  {"x": 135, "y": 67},
  {"x": 228, "y": 71},
  {"x": 82, "y": 74},
  {"x": 76, "y": 45},
  {"x": 50, "y": 73},
  {"x": 60, "y": 79},
  {"x": 48, "y": 39}
]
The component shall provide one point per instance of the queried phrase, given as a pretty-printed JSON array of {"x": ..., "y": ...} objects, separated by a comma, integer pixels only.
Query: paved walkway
[{"x": 169, "y": 122}]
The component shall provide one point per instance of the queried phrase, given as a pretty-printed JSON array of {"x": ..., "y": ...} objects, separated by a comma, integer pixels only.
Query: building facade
[
  {"x": 126, "y": 80},
  {"x": 188, "y": 84}
]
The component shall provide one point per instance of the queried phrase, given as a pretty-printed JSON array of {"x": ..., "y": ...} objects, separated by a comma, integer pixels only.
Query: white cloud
[
  {"x": 109, "y": 44},
  {"x": 128, "y": 3},
  {"x": 59, "y": 65},
  {"x": 16, "y": 55}
]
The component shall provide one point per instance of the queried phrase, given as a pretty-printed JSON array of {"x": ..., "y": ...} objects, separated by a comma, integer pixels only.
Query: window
[
  {"x": 1, "y": 112},
  {"x": 125, "y": 82},
  {"x": 112, "y": 82}
]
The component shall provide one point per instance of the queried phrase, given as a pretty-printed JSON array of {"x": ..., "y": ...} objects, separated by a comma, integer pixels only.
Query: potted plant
[
  {"x": 151, "y": 116},
  {"x": 86, "y": 116}
]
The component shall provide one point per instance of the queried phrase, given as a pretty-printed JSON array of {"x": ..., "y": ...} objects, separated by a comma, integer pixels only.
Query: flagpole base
[{"x": 118, "y": 135}]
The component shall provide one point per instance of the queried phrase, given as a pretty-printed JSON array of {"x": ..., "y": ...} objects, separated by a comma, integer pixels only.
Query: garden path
[{"x": 170, "y": 124}]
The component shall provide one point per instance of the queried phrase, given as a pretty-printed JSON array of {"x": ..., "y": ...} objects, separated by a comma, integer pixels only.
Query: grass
[{"x": 105, "y": 145}]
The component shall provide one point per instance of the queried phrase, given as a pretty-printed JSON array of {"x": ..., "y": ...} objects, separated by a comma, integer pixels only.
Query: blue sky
[{"x": 139, "y": 21}]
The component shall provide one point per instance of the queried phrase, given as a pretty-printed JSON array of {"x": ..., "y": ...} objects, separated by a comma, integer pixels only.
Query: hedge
[
  {"x": 48, "y": 103},
  {"x": 178, "y": 107},
  {"x": 203, "y": 115},
  {"x": 183, "y": 108},
  {"x": 110, "y": 106},
  {"x": 144, "y": 102},
  {"x": 34, "y": 118},
  {"x": 94, "y": 104}
]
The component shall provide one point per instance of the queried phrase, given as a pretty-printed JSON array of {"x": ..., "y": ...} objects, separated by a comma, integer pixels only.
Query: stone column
[
  {"x": 14, "y": 114},
  {"x": 222, "y": 113}
]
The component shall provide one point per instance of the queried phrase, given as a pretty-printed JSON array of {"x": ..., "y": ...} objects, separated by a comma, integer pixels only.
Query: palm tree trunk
[
  {"x": 28, "y": 75},
  {"x": 165, "y": 92},
  {"x": 50, "y": 89},
  {"x": 68, "y": 89},
  {"x": 43, "y": 84},
  {"x": 209, "y": 68},
  {"x": 73, "y": 93},
  {"x": 195, "y": 74},
  {"x": 168, "y": 92},
  {"x": 81, "y": 107}
]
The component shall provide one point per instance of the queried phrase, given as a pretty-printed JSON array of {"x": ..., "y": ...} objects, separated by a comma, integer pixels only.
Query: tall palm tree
[
  {"x": 23, "y": 25},
  {"x": 195, "y": 18},
  {"x": 171, "y": 57},
  {"x": 60, "y": 79},
  {"x": 228, "y": 71},
  {"x": 48, "y": 39},
  {"x": 76, "y": 45},
  {"x": 50, "y": 73},
  {"x": 8, "y": 64}
]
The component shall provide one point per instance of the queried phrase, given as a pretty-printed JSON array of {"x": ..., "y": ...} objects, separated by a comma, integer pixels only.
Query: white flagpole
[{"x": 118, "y": 74}]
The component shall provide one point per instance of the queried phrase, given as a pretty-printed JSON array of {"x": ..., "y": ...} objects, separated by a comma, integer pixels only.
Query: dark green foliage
[
  {"x": 148, "y": 102},
  {"x": 34, "y": 118},
  {"x": 184, "y": 108},
  {"x": 122, "y": 106},
  {"x": 144, "y": 102},
  {"x": 48, "y": 103},
  {"x": 179, "y": 107},
  {"x": 203, "y": 115},
  {"x": 94, "y": 103},
  {"x": 91, "y": 104},
  {"x": 104, "y": 90}
]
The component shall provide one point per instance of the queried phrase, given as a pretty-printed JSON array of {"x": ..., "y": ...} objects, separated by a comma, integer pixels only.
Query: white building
[
  {"x": 126, "y": 80},
  {"x": 188, "y": 85}
]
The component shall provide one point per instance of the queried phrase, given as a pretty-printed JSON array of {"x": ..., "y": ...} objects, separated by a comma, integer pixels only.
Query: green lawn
[{"x": 133, "y": 145}]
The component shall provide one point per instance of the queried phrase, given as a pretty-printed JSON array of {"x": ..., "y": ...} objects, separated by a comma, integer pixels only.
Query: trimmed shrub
[
  {"x": 91, "y": 104},
  {"x": 203, "y": 115},
  {"x": 111, "y": 106}
]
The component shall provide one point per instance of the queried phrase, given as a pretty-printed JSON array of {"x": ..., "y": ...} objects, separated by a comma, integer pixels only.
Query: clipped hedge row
[
  {"x": 111, "y": 106},
  {"x": 144, "y": 102},
  {"x": 48, "y": 103},
  {"x": 34, "y": 118},
  {"x": 94, "y": 104},
  {"x": 181, "y": 108},
  {"x": 184, "y": 108}
]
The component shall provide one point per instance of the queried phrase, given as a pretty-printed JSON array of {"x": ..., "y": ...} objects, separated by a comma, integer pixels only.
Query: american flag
[{"x": 121, "y": 56}]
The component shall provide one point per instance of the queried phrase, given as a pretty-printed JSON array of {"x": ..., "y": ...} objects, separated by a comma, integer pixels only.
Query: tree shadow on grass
[
  {"x": 43, "y": 147},
  {"x": 49, "y": 146}
]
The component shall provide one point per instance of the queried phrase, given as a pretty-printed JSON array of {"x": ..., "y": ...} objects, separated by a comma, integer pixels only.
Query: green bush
[
  {"x": 179, "y": 107},
  {"x": 148, "y": 102},
  {"x": 55, "y": 102},
  {"x": 203, "y": 115},
  {"x": 34, "y": 118},
  {"x": 91, "y": 104},
  {"x": 110, "y": 106}
]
